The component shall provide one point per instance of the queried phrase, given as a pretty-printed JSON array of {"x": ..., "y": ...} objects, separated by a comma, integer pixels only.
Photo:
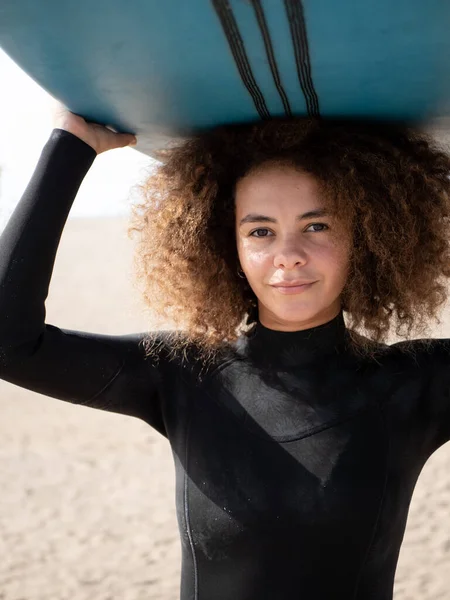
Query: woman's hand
[{"x": 99, "y": 137}]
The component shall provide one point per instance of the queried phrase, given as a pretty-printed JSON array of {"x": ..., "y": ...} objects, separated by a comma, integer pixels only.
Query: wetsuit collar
[{"x": 290, "y": 348}]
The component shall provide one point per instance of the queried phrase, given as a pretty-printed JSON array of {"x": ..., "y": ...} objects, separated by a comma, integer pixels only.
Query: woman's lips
[{"x": 294, "y": 289}]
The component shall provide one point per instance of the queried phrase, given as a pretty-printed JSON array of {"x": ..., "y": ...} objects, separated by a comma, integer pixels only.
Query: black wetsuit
[{"x": 295, "y": 458}]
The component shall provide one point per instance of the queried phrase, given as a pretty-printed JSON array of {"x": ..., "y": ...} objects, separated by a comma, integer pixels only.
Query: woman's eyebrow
[{"x": 256, "y": 218}]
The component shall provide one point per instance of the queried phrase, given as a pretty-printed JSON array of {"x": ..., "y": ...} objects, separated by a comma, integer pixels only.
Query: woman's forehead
[{"x": 279, "y": 188}]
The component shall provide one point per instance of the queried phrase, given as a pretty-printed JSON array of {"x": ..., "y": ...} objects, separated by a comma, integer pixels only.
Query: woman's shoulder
[
  {"x": 418, "y": 350},
  {"x": 419, "y": 360},
  {"x": 423, "y": 349},
  {"x": 176, "y": 349}
]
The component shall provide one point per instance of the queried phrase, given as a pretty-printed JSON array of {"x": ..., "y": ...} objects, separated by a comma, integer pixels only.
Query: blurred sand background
[{"x": 87, "y": 507}]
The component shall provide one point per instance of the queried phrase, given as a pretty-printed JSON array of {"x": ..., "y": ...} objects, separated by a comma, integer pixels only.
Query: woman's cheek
[
  {"x": 256, "y": 263},
  {"x": 336, "y": 264},
  {"x": 330, "y": 251}
]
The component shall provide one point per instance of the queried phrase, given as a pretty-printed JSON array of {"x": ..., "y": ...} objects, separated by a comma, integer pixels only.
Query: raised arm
[{"x": 106, "y": 372}]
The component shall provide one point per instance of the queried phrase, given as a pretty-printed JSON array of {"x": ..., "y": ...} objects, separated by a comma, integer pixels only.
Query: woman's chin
[{"x": 294, "y": 314}]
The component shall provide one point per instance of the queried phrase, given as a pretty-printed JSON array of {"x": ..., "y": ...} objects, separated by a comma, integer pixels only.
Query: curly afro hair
[{"x": 388, "y": 182}]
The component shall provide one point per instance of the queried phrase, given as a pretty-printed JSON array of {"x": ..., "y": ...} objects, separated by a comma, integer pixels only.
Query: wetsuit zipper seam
[
  {"x": 380, "y": 508},
  {"x": 320, "y": 428},
  {"x": 186, "y": 504}
]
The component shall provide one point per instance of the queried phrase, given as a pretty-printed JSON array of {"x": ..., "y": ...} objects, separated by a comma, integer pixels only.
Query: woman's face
[{"x": 278, "y": 241}]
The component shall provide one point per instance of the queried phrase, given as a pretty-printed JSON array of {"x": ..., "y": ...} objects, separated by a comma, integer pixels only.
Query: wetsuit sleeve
[
  {"x": 428, "y": 389},
  {"x": 101, "y": 371},
  {"x": 438, "y": 392}
]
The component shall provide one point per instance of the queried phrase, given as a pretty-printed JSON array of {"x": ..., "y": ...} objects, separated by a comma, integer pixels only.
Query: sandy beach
[{"x": 87, "y": 506}]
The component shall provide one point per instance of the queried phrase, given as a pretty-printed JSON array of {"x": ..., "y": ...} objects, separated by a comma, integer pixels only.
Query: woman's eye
[
  {"x": 318, "y": 224},
  {"x": 260, "y": 229},
  {"x": 263, "y": 229}
]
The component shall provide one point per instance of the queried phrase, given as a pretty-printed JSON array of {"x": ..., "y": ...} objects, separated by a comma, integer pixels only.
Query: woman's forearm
[{"x": 29, "y": 242}]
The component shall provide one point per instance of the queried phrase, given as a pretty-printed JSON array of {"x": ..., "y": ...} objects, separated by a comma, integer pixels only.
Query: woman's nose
[{"x": 290, "y": 255}]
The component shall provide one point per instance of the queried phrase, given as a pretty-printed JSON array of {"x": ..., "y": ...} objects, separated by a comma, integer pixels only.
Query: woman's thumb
[{"x": 126, "y": 139}]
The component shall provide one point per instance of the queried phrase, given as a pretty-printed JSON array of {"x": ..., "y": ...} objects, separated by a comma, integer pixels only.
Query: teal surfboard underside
[{"x": 166, "y": 68}]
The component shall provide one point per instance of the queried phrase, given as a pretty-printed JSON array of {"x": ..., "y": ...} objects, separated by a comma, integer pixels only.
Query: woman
[{"x": 297, "y": 440}]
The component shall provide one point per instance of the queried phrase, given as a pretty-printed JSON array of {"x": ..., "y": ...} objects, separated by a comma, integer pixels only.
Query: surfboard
[{"x": 164, "y": 69}]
